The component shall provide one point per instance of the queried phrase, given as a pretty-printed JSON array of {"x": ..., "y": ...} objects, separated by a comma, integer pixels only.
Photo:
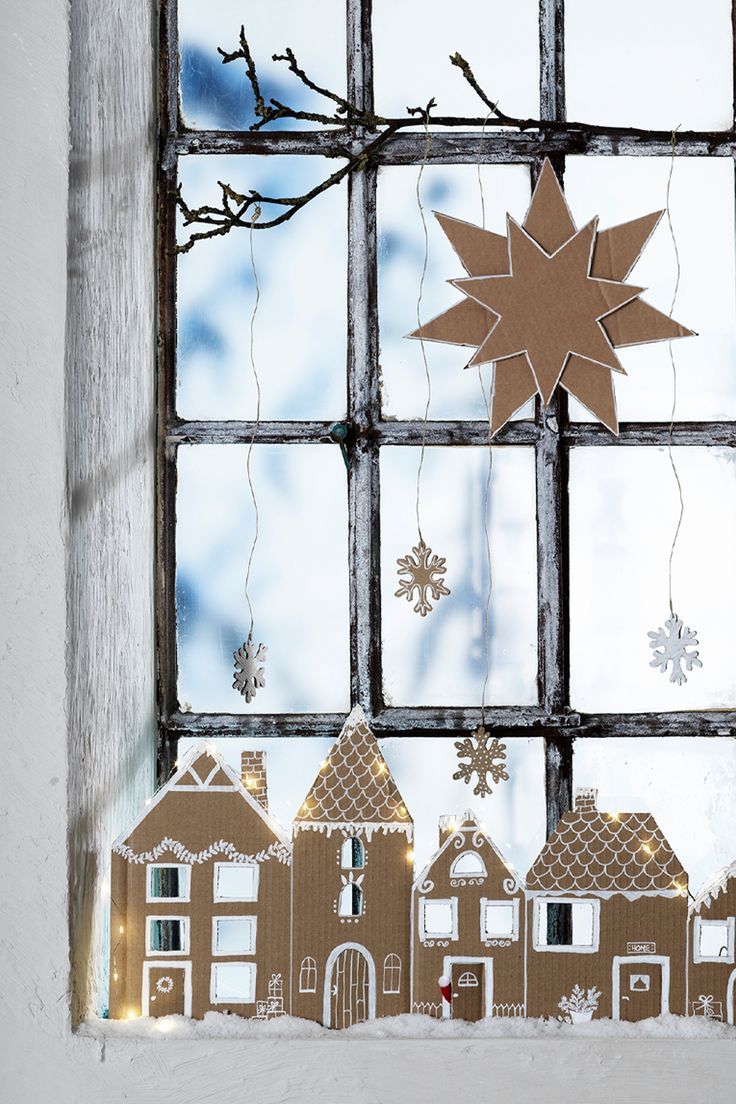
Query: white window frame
[
  {"x": 571, "y": 948},
  {"x": 513, "y": 904},
  {"x": 214, "y": 999},
  {"x": 482, "y": 873},
  {"x": 452, "y": 902},
  {"x": 343, "y": 892},
  {"x": 700, "y": 922},
  {"x": 348, "y": 840},
  {"x": 185, "y": 929},
  {"x": 169, "y": 866},
  {"x": 218, "y": 899},
  {"x": 217, "y": 920},
  {"x": 394, "y": 967},
  {"x": 308, "y": 965}
]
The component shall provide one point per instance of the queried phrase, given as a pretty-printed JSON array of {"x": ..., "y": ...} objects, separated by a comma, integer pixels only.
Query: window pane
[
  {"x": 166, "y": 936},
  {"x": 412, "y": 42},
  {"x": 438, "y": 917},
  {"x": 714, "y": 940},
  {"x": 623, "y": 512},
  {"x": 661, "y": 64},
  {"x": 702, "y": 207},
  {"x": 453, "y": 190},
  {"x": 169, "y": 882},
  {"x": 217, "y": 96},
  {"x": 300, "y": 326},
  {"x": 235, "y": 882},
  {"x": 499, "y": 920},
  {"x": 687, "y": 784},
  {"x": 438, "y": 659},
  {"x": 299, "y": 582},
  {"x": 235, "y": 936},
  {"x": 422, "y": 768},
  {"x": 233, "y": 982}
]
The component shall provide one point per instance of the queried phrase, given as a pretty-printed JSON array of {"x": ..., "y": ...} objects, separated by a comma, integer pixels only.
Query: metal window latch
[{"x": 339, "y": 434}]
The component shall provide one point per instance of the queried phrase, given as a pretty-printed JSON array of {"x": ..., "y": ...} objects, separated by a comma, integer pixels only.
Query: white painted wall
[{"x": 82, "y": 731}]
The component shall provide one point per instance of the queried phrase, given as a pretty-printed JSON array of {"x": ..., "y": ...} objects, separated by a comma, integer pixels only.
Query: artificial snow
[{"x": 218, "y": 1025}]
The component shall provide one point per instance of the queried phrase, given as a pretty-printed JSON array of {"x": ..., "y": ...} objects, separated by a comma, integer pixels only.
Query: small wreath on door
[{"x": 165, "y": 984}]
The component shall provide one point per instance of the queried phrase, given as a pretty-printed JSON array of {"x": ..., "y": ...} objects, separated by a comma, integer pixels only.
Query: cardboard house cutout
[
  {"x": 712, "y": 971},
  {"x": 606, "y": 914},
  {"x": 352, "y": 878},
  {"x": 200, "y": 898},
  {"x": 468, "y": 927}
]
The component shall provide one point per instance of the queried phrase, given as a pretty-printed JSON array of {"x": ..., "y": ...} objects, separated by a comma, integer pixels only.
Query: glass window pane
[
  {"x": 439, "y": 659},
  {"x": 299, "y": 579},
  {"x": 235, "y": 935},
  {"x": 422, "y": 768},
  {"x": 702, "y": 206},
  {"x": 217, "y": 96},
  {"x": 661, "y": 64},
  {"x": 623, "y": 512},
  {"x": 687, "y": 784},
  {"x": 300, "y": 327},
  {"x": 453, "y": 190},
  {"x": 413, "y": 41},
  {"x": 233, "y": 982}
]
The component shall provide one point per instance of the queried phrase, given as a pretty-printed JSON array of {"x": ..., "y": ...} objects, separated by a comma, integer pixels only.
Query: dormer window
[
  {"x": 468, "y": 865},
  {"x": 353, "y": 854},
  {"x": 351, "y": 900}
]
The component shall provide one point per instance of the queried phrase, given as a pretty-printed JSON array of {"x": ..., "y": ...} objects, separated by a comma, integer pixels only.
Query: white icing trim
[
  {"x": 457, "y": 839},
  {"x": 369, "y": 827},
  {"x": 149, "y": 965},
  {"x": 729, "y": 923},
  {"x": 571, "y": 948},
  {"x": 602, "y": 894},
  {"x": 331, "y": 960},
  {"x": 717, "y": 885},
  {"x": 621, "y": 960},
  {"x": 221, "y": 847}
]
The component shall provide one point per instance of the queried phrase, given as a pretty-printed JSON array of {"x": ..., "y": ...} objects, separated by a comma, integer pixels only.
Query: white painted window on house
[
  {"x": 236, "y": 882},
  {"x": 499, "y": 919},
  {"x": 233, "y": 935},
  {"x": 438, "y": 918},
  {"x": 392, "y": 974},
  {"x": 352, "y": 856},
  {"x": 167, "y": 935},
  {"x": 168, "y": 881},
  {"x": 233, "y": 983},
  {"x": 308, "y": 975},
  {"x": 713, "y": 940},
  {"x": 350, "y": 902},
  {"x": 578, "y": 921},
  {"x": 468, "y": 865}
]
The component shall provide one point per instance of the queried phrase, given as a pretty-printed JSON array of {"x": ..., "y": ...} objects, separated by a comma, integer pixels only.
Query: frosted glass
[
  {"x": 623, "y": 512},
  {"x": 300, "y": 328},
  {"x": 453, "y": 190},
  {"x": 235, "y": 936},
  {"x": 438, "y": 660},
  {"x": 513, "y": 815},
  {"x": 217, "y": 96},
  {"x": 299, "y": 583},
  {"x": 657, "y": 64},
  {"x": 413, "y": 40},
  {"x": 687, "y": 784},
  {"x": 702, "y": 206}
]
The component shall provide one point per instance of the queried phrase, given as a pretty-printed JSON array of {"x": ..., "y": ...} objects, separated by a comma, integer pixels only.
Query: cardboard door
[
  {"x": 468, "y": 998},
  {"x": 166, "y": 990},
  {"x": 640, "y": 990},
  {"x": 350, "y": 989}
]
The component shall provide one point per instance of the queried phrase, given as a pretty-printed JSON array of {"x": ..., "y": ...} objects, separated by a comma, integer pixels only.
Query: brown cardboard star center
[{"x": 548, "y": 305}]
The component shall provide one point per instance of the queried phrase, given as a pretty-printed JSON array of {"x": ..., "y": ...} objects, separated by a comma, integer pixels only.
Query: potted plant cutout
[{"x": 580, "y": 1006}]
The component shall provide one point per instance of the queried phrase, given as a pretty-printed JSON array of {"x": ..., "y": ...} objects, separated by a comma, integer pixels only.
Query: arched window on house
[
  {"x": 468, "y": 865},
  {"x": 468, "y": 980},
  {"x": 353, "y": 854},
  {"x": 392, "y": 974},
  {"x": 308, "y": 976},
  {"x": 351, "y": 900}
]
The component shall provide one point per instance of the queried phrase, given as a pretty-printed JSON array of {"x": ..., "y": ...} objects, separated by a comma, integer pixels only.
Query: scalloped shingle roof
[
  {"x": 354, "y": 784},
  {"x": 607, "y": 852}
]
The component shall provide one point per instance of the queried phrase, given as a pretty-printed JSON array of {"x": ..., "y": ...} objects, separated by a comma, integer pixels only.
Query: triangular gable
[
  {"x": 468, "y": 824},
  {"x": 714, "y": 888},
  {"x": 204, "y": 770}
]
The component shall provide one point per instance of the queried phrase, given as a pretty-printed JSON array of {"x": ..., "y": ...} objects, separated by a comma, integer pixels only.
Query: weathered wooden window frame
[{"x": 550, "y": 433}]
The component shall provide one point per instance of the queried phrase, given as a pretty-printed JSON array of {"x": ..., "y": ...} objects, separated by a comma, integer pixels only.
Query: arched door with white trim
[{"x": 351, "y": 995}]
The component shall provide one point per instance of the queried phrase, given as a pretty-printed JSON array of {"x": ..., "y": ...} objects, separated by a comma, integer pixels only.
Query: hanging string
[
  {"x": 254, "y": 370},
  {"x": 489, "y": 474},
  {"x": 670, "y": 453},
  {"x": 420, "y": 205}
]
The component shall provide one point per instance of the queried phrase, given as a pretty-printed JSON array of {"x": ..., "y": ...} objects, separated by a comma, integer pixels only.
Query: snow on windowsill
[{"x": 217, "y": 1025}]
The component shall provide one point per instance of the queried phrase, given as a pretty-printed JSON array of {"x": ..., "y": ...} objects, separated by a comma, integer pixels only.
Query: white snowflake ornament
[
  {"x": 484, "y": 758},
  {"x": 249, "y": 672},
  {"x": 424, "y": 571},
  {"x": 674, "y": 644}
]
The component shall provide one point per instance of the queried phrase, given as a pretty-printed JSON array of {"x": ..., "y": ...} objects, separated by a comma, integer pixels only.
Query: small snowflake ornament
[
  {"x": 424, "y": 571},
  {"x": 484, "y": 758},
  {"x": 249, "y": 673},
  {"x": 675, "y": 644}
]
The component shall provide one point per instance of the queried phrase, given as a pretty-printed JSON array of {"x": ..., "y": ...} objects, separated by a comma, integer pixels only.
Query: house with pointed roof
[
  {"x": 712, "y": 969},
  {"x": 468, "y": 927},
  {"x": 200, "y": 897},
  {"x": 607, "y": 910},
  {"x": 351, "y": 887}
]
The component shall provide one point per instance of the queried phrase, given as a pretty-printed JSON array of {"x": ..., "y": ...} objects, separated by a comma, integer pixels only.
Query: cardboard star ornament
[{"x": 548, "y": 304}]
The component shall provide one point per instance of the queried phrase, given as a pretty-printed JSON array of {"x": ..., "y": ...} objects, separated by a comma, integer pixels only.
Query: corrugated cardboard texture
[{"x": 712, "y": 988}]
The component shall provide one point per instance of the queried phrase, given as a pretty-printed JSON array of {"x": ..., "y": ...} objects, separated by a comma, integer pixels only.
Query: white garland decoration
[{"x": 275, "y": 850}]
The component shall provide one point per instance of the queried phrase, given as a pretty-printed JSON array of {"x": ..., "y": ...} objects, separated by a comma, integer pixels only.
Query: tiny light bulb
[
  {"x": 132, "y": 1014},
  {"x": 121, "y": 929},
  {"x": 115, "y": 976},
  {"x": 410, "y": 855}
]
